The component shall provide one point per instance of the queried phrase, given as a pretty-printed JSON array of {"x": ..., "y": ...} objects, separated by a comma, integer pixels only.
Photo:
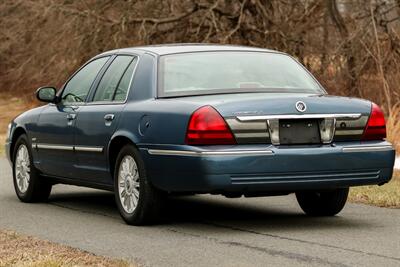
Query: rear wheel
[
  {"x": 324, "y": 203},
  {"x": 138, "y": 201},
  {"x": 29, "y": 185}
]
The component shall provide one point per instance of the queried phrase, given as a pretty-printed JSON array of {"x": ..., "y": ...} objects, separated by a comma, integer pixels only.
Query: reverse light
[
  {"x": 376, "y": 126},
  {"x": 208, "y": 127}
]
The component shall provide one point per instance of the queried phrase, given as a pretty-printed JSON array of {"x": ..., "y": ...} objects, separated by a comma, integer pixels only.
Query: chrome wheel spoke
[
  {"x": 132, "y": 206},
  {"x": 21, "y": 183},
  {"x": 128, "y": 184},
  {"x": 125, "y": 201},
  {"x": 136, "y": 184},
  {"x": 136, "y": 193},
  {"x": 22, "y": 168},
  {"x": 134, "y": 200}
]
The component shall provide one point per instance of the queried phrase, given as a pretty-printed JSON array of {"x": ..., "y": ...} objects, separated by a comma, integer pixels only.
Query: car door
[
  {"x": 54, "y": 136},
  {"x": 97, "y": 121}
]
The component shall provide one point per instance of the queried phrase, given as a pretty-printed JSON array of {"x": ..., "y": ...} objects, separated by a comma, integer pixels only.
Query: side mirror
[{"x": 46, "y": 94}]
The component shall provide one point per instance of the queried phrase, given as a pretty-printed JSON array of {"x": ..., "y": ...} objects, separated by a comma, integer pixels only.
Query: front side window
[
  {"x": 113, "y": 85},
  {"x": 77, "y": 88},
  {"x": 224, "y": 72}
]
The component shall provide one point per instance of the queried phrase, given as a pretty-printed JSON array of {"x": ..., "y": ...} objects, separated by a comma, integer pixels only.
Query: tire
[
  {"x": 29, "y": 185},
  {"x": 142, "y": 203},
  {"x": 324, "y": 203}
]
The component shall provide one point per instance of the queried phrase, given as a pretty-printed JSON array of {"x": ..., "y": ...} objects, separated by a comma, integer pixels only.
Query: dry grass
[
  {"x": 393, "y": 126},
  {"x": 10, "y": 107},
  {"x": 387, "y": 195},
  {"x": 2, "y": 141},
  {"x": 20, "y": 250}
]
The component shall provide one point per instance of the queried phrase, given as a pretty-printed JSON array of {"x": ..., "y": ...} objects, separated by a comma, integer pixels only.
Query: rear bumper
[{"x": 255, "y": 168}]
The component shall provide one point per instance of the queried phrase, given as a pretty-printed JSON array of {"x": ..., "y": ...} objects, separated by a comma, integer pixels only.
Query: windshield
[{"x": 229, "y": 72}]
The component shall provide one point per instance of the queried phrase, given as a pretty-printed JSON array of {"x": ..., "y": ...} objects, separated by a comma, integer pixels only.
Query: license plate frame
[{"x": 299, "y": 131}]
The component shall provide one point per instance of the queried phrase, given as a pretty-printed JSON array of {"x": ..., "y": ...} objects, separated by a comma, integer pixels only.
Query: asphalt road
[{"x": 208, "y": 230}]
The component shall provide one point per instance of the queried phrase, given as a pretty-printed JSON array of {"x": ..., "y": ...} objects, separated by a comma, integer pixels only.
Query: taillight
[
  {"x": 207, "y": 127},
  {"x": 376, "y": 127}
]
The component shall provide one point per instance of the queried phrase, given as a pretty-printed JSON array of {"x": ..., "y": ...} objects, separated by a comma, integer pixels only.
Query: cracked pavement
[{"x": 208, "y": 230}]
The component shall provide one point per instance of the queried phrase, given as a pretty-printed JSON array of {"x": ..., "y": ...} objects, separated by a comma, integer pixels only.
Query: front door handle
[{"x": 71, "y": 117}]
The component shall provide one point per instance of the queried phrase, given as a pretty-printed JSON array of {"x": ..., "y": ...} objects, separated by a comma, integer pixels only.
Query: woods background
[{"x": 352, "y": 46}]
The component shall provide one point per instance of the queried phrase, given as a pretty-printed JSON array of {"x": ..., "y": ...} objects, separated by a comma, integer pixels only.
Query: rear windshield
[{"x": 229, "y": 72}]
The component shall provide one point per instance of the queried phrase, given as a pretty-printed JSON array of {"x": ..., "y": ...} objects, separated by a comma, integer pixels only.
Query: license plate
[{"x": 299, "y": 132}]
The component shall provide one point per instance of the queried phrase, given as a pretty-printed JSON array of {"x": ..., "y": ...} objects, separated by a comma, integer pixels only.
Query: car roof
[{"x": 164, "y": 49}]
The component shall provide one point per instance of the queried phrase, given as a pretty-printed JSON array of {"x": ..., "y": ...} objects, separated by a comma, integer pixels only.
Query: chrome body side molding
[
  {"x": 189, "y": 153},
  {"x": 54, "y": 147},
  {"x": 67, "y": 148},
  {"x": 367, "y": 148},
  {"x": 88, "y": 149},
  {"x": 265, "y": 152}
]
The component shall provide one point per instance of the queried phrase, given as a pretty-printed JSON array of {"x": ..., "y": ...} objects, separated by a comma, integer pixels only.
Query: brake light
[
  {"x": 376, "y": 127},
  {"x": 207, "y": 127}
]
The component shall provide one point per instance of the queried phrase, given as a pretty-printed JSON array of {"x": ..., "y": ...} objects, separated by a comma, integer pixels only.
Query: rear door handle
[{"x": 108, "y": 119}]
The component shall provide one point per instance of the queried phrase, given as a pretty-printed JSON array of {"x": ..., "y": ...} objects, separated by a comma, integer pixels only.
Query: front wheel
[
  {"x": 29, "y": 185},
  {"x": 138, "y": 201},
  {"x": 323, "y": 203}
]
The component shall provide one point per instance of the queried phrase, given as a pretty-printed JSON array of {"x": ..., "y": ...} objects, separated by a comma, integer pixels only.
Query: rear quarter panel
[{"x": 156, "y": 121}]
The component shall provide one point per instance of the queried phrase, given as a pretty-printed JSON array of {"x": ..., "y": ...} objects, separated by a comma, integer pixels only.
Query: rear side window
[
  {"x": 123, "y": 86},
  {"x": 77, "y": 88},
  {"x": 115, "y": 82}
]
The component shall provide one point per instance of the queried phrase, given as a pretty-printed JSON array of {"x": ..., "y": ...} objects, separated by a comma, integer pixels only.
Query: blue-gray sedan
[{"x": 150, "y": 121}]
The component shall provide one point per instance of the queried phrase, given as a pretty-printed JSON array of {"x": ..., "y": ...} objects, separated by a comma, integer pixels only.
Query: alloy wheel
[
  {"x": 22, "y": 168},
  {"x": 128, "y": 184}
]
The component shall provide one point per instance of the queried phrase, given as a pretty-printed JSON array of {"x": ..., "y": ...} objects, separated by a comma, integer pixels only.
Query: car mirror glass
[{"x": 46, "y": 94}]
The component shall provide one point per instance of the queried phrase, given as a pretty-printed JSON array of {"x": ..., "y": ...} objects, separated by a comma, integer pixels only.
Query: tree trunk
[{"x": 347, "y": 47}]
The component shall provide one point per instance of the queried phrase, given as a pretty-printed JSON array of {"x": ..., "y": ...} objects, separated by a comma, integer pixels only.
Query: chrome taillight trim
[{"x": 327, "y": 125}]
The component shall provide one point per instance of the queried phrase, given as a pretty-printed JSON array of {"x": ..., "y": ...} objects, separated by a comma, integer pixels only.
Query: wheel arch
[
  {"x": 19, "y": 130},
  {"x": 117, "y": 142}
]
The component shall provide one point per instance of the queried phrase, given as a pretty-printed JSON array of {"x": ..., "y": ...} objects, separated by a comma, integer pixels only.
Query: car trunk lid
[{"x": 290, "y": 118}]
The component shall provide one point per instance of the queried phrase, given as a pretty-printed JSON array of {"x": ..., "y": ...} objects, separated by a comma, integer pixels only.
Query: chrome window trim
[
  {"x": 367, "y": 148},
  {"x": 166, "y": 152},
  {"x": 299, "y": 116}
]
